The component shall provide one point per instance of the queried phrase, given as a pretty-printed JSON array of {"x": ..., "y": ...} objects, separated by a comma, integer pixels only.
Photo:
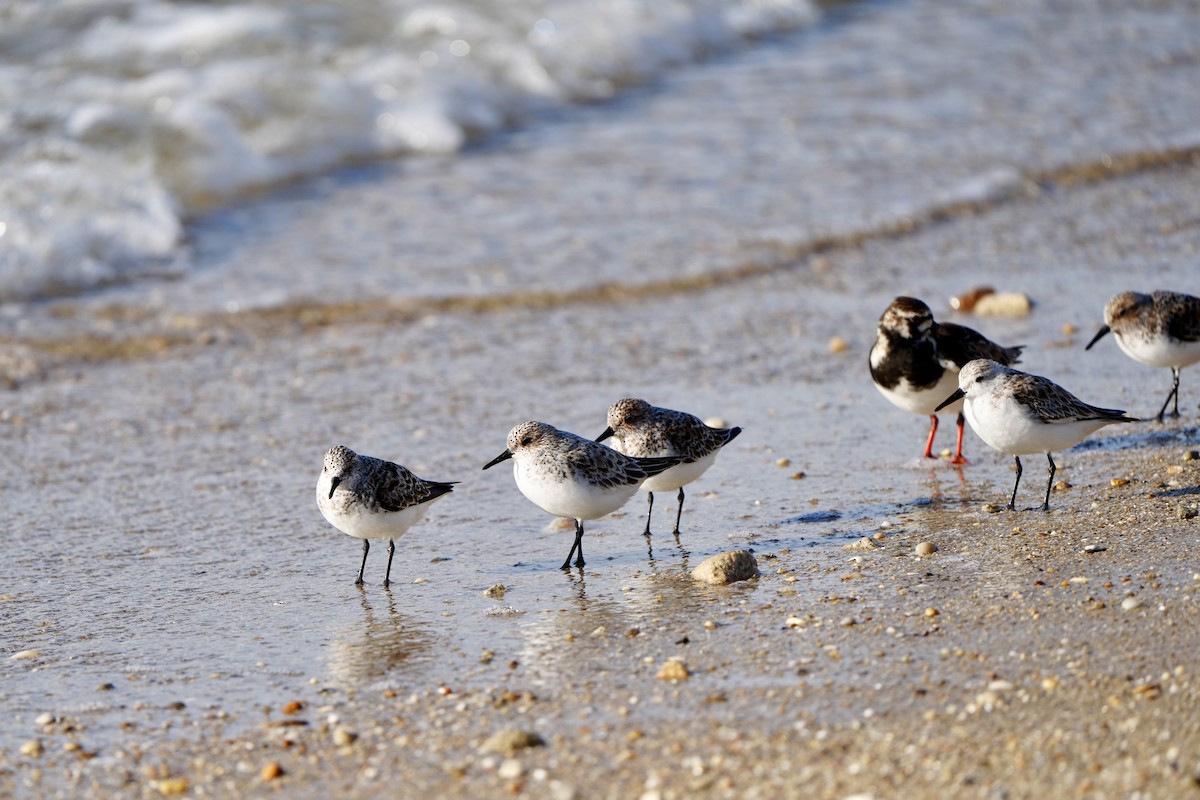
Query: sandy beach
[{"x": 179, "y": 620}]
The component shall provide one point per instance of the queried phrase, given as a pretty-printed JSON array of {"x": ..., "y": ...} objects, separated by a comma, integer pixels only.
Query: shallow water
[{"x": 162, "y": 531}]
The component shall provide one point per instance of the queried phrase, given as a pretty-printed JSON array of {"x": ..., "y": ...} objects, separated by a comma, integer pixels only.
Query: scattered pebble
[
  {"x": 26, "y": 655},
  {"x": 270, "y": 771},
  {"x": 343, "y": 737},
  {"x": 32, "y": 749},
  {"x": 1004, "y": 304},
  {"x": 783, "y": 462},
  {"x": 674, "y": 671},
  {"x": 966, "y": 301},
  {"x": 925, "y": 548},
  {"x": 728, "y": 567},
  {"x": 1094, "y": 548},
  {"x": 1118, "y": 482},
  {"x": 838, "y": 345},
  {"x": 294, "y": 707},
  {"x": 1191, "y": 455},
  {"x": 1131, "y": 603},
  {"x": 45, "y": 719},
  {"x": 510, "y": 769},
  {"x": 865, "y": 543},
  {"x": 510, "y": 741},
  {"x": 992, "y": 508},
  {"x": 1068, "y": 329},
  {"x": 932, "y": 612},
  {"x": 170, "y": 786},
  {"x": 1185, "y": 511},
  {"x": 496, "y": 591}
]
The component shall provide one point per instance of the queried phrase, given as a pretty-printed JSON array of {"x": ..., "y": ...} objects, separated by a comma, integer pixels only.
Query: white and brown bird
[
  {"x": 915, "y": 362},
  {"x": 1021, "y": 414},
  {"x": 1161, "y": 329},
  {"x": 369, "y": 498},
  {"x": 642, "y": 430},
  {"x": 569, "y": 476}
]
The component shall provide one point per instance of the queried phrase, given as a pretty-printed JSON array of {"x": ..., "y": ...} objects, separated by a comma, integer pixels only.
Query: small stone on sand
[
  {"x": 674, "y": 671},
  {"x": 723, "y": 568},
  {"x": 925, "y": 548},
  {"x": 510, "y": 741}
]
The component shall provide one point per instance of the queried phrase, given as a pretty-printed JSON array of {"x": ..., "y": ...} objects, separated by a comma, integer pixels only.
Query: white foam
[{"x": 120, "y": 117}]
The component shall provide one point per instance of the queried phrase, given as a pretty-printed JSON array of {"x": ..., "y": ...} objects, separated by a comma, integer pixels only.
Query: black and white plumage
[
  {"x": 642, "y": 430},
  {"x": 915, "y": 361},
  {"x": 1161, "y": 329},
  {"x": 370, "y": 498},
  {"x": 1020, "y": 414},
  {"x": 569, "y": 476}
]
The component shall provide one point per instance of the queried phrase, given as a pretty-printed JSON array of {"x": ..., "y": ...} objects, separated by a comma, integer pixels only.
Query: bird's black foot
[{"x": 358, "y": 582}]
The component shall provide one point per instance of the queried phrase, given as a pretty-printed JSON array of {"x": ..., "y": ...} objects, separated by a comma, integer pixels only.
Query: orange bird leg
[
  {"x": 932, "y": 433},
  {"x": 958, "y": 456}
]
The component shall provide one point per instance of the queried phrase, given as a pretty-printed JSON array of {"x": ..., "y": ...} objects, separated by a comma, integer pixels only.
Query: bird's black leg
[
  {"x": 1174, "y": 394},
  {"x": 387, "y": 578},
  {"x": 579, "y": 554},
  {"x": 366, "y": 549},
  {"x": 649, "y": 513},
  {"x": 577, "y": 544},
  {"x": 1012, "y": 502},
  {"x": 678, "y": 513},
  {"x": 1049, "y": 483}
]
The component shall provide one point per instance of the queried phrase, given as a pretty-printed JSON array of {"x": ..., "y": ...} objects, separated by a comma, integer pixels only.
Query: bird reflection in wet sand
[{"x": 382, "y": 645}]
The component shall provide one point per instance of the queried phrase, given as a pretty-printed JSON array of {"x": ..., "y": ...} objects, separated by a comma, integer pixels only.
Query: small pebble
[
  {"x": 865, "y": 543},
  {"x": 1004, "y": 304},
  {"x": 673, "y": 671},
  {"x": 926, "y": 548},
  {"x": 343, "y": 737},
  {"x": 496, "y": 591},
  {"x": 1094, "y": 548},
  {"x": 1130, "y": 603},
  {"x": 1192, "y": 455},
  {"x": 510, "y": 741},
  {"x": 838, "y": 345},
  {"x": 729, "y": 567},
  {"x": 1185, "y": 511},
  {"x": 270, "y": 771},
  {"x": 932, "y": 612},
  {"x": 26, "y": 655},
  {"x": 32, "y": 749},
  {"x": 45, "y": 719},
  {"x": 992, "y": 508},
  {"x": 1068, "y": 329},
  {"x": 783, "y": 462},
  {"x": 1118, "y": 482},
  {"x": 510, "y": 769}
]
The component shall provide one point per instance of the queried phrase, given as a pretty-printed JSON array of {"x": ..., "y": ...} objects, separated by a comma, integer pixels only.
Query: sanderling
[
  {"x": 1018, "y": 413},
  {"x": 915, "y": 361},
  {"x": 569, "y": 476},
  {"x": 370, "y": 498},
  {"x": 1161, "y": 329},
  {"x": 644, "y": 431}
]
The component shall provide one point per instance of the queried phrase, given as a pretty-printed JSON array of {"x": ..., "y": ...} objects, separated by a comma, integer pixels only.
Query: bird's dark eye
[
  {"x": 979, "y": 379},
  {"x": 525, "y": 442}
]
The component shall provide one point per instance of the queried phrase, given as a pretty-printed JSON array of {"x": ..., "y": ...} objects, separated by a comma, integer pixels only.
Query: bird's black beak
[
  {"x": 607, "y": 433},
  {"x": 1099, "y": 335},
  {"x": 507, "y": 454},
  {"x": 958, "y": 395},
  {"x": 333, "y": 484}
]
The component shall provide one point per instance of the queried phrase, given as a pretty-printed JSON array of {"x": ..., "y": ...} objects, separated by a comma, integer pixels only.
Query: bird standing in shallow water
[
  {"x": 643, "y": 430},
  {"x": 915, "y": 362},
  {"x": 570, "y": 476},
  {"x": 1020, "y": 414},
  {"x": 1161, "y": 329},
  {"x": 370, "y": 498}
]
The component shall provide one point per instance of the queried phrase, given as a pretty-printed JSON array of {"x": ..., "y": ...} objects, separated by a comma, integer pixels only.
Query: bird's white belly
[
  {"x": 1159, "y": 351},
  {"x": 923, "y": 401},
  {"x": 1006, "y": 426},
  {"x": 569, "y": 498},
  {"x": 356, "y": 521},
  {"x": 679, "y": 475}
]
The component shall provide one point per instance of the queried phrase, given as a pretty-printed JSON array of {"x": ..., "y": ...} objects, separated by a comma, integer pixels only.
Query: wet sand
[
  {"x": 187, "y": 623},
  {"x": 1008, "y": 663}
]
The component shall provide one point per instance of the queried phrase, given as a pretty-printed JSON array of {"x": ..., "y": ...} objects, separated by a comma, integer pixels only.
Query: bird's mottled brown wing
[
  {"x": 1052, "y": 403},
  {"x": 395, "y": 488}
]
